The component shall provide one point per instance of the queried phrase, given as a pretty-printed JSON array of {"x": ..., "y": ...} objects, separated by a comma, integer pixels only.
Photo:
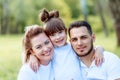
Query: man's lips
[{"x": 81, "y": 49}]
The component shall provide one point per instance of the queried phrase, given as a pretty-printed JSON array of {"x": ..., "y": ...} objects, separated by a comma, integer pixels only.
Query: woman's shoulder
[
  {"x": 26, "y": 69},
  {"x": 26, "y": 73}
]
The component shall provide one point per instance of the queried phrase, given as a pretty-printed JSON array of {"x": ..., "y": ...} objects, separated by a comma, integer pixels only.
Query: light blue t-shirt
[
  {"x": 44, "y": 73},
  {"x": 66, "y": 64},
  {"x": 109, "y": 70}
]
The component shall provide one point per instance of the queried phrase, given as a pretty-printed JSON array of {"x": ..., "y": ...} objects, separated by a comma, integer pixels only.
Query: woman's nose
[{"x": 45, "y": 49}]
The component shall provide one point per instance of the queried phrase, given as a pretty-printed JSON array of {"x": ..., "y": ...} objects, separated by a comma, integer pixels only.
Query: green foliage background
[{"x": 22, "y": 13}]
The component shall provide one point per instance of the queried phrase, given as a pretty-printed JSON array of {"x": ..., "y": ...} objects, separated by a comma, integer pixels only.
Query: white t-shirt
[
  {"x": 66, "y": 64},
  {"x": 44, "y": 73},
  {"x": 109, "y": 70}
]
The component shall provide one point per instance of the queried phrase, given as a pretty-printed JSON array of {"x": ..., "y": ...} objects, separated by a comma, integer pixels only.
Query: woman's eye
[
  {"x": 47, "y": 42},
  {"x": 38, "y": 47}
]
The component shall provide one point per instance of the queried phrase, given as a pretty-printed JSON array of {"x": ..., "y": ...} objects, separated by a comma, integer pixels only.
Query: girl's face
[
  {"x": 59, "y": 38},
  {"x": 42, "y": 47}
]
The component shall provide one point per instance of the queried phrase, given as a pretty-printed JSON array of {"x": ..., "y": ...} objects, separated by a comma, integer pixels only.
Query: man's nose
[{"x": 79, "y": 42}]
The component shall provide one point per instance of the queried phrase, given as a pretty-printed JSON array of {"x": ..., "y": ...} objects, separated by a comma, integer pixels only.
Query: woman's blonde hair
[{"x": 30, "y": 32}]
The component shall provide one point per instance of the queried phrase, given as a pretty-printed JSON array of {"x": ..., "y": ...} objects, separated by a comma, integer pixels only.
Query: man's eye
[
  {"x": 74, "y": 39},
  {"x": 83, "y": 37}
]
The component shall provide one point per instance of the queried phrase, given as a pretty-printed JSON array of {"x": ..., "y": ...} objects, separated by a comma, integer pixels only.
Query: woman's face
[{"x": 42, "y": 47}]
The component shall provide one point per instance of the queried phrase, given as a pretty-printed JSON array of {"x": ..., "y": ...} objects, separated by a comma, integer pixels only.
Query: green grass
[
  {"x": 11, "y": 49},
  {"x": 109, "y": 43},
  {"x": 10, "y": 56}
]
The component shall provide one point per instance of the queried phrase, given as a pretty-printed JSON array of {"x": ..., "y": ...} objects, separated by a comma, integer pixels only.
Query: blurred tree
[
  {"x": 63, "y": 9},
  {"x": 84, "y": 7},
  {"x": 17, "y": 14},
  {"x": 74, "y": 7},
  {"x": 19, "y": 19},
  {"x": 100, "y": 11},
  {"x": 1, "y": 9},
  {"x": 4, "y": 16},
  {"x": 115, "y": 10}
]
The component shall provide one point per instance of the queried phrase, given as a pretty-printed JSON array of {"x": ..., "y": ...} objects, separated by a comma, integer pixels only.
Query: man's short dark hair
[{"x": 78, "y": 24}]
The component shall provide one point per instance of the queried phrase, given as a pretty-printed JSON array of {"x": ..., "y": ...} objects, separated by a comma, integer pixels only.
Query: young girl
[
  {"x": 37, "y": 43},
  {"x": 66, "y": 64}
]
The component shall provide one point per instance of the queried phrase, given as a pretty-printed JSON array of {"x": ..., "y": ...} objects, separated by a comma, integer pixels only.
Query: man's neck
[{"x": 87, "y": 60}]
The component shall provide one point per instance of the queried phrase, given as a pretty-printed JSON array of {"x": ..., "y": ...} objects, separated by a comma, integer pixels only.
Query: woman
[{"x": 37, "y": 43}]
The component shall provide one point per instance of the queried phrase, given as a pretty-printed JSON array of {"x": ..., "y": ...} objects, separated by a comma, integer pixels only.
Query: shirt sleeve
[
  {"x": 26, "y": 74},
  {"x": 114, "y": 68}
]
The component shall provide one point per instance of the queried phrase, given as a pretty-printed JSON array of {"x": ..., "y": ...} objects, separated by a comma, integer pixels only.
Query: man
[{"x": 82, "y": 38}]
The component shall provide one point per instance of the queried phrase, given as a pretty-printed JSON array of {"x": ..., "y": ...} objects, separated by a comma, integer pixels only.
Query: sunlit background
[{"x": 103, "y": 15}]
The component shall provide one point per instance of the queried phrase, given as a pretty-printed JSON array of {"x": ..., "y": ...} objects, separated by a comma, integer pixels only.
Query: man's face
[{"x": 81, "y": 40}]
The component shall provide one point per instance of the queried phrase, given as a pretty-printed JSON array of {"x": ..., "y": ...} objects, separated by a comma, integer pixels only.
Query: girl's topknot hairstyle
[
  {"x": 44, "y": 15},
  {"x": 52, "y": 22}
]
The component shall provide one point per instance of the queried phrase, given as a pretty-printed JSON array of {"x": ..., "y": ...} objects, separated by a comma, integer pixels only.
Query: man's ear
[{"x": 69, "y": 40}]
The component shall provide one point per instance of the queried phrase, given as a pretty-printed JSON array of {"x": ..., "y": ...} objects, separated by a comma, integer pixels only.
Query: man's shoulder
[
  {"x": 111, "y": 56},
  {"x": 107, "y": 53}
]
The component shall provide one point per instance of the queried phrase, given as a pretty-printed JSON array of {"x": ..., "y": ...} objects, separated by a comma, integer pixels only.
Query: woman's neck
[{"x": 45, "y": 63}]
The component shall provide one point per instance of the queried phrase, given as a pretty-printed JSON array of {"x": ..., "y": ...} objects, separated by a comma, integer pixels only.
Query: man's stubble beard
[{"x": 89, "y": 51}]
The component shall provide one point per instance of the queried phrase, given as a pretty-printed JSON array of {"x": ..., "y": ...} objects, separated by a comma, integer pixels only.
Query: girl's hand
[
  {"x": 99, "y": 56},
  {"x": 34, "y": 63}
]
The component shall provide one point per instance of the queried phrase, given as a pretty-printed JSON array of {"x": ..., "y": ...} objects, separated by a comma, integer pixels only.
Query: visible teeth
[
  {"x": 59, "y": 41},
  {"x": 46, "y": 54}
]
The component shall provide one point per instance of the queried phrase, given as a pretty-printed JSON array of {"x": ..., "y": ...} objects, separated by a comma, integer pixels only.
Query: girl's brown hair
[{"x": 52, "y": 21}]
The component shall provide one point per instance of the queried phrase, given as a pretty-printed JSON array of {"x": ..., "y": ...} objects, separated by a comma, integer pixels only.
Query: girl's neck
[{"x": 62, "y": 45}]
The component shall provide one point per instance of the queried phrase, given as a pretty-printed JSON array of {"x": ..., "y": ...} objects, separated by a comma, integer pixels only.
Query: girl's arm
[
  {"x": 99, "y": 56},
  {"x": 34, "y": 63}
]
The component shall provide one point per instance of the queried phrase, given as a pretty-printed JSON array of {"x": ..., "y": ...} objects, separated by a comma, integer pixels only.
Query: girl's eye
[
  {"x": 83, "y": 37},
  {"x": 52, "y": 34},
  {"x": 47, "y": 42},
  {"x": 60, "y": 31},
  {"x": 38, "y": 47}
]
